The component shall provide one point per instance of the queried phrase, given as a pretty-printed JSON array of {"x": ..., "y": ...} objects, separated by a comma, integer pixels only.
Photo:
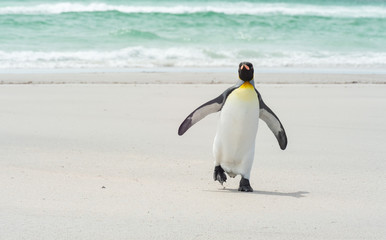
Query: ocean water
[{"x": 42, "y": 34}]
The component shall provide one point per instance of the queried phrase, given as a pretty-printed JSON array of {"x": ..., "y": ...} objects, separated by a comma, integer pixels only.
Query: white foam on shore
[{"x": 143, "y": 57}]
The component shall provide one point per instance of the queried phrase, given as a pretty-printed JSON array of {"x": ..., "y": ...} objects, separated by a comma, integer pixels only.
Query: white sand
[{"x": 97, "y": 161}]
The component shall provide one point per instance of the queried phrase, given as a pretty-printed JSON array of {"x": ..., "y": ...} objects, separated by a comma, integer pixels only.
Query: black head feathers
[{"x": 246, "y": 71}]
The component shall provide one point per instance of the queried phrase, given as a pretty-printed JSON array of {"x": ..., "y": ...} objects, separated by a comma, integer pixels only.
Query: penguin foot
[
  {"x": 244, "y": 185},
  {"x": 219, "y": 175}
]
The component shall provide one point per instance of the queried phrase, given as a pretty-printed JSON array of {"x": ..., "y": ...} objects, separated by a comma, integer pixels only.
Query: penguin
[{"x": 241, "y": 106}]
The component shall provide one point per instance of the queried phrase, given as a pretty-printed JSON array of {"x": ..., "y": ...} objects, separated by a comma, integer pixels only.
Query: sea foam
[
  {"x": 223, "y": 8},
  {"x": 184, "y": 57}
]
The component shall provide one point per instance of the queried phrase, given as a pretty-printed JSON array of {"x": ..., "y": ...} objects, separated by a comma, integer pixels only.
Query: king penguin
[{"x": 241, "y": 107}]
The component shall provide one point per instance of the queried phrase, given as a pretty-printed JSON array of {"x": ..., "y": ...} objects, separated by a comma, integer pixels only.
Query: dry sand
[{"x": 104, "y": 161}]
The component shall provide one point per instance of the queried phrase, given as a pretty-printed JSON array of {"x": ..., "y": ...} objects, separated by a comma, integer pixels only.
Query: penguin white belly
[{"x": 234, "y": 144}]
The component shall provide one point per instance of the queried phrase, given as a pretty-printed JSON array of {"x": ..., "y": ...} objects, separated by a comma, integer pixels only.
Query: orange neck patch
[{"x": 246, "y": 85}]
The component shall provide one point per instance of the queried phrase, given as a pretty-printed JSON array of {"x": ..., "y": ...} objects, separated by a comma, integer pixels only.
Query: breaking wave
[{"x": 221, "y": 8}]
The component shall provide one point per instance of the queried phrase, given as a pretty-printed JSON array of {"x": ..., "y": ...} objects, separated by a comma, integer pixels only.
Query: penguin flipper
[
  {"x": 204, "y": 110},
  {"x": 273, "y": 122}
]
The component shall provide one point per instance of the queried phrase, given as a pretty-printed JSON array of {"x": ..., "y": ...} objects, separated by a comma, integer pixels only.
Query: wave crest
[{"x": 223, "y": 8}]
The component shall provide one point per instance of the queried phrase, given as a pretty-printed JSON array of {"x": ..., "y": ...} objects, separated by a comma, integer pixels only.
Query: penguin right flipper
[
  {"x": 273, "y": 122},
  {"x": 204, "y": 110}
]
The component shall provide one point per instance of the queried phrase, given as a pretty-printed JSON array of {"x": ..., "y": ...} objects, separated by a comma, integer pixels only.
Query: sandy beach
[{"x": 103, "y": 161}]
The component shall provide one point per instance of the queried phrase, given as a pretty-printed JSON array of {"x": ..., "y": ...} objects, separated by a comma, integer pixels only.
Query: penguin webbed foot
[
  {"x": 245, "y": 186},
  {"x": 219, "y": 175}
]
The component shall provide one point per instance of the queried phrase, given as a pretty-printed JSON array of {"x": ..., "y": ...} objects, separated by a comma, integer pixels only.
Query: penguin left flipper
[
  {"x": 204, "y": 110},
  {"x": 273, "y": 122}
]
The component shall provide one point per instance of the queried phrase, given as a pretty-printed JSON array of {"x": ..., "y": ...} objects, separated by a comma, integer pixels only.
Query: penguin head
[{"x": 246, "y": 71}]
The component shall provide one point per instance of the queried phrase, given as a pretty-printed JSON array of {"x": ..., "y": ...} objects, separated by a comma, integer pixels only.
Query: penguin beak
[{"x": 246, "y": 67}]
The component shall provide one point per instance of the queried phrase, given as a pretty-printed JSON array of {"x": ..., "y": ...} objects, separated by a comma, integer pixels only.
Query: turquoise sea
[{"x": 42, "y": 34}]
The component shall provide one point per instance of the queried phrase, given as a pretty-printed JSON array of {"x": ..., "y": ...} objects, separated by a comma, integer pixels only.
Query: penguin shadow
[{"x": 298, "y": 194}]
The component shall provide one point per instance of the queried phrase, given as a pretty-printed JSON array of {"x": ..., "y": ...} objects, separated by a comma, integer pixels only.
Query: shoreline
[
  {"x": 313, "y": 70},
  {"x": 189, "y": 76}
]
